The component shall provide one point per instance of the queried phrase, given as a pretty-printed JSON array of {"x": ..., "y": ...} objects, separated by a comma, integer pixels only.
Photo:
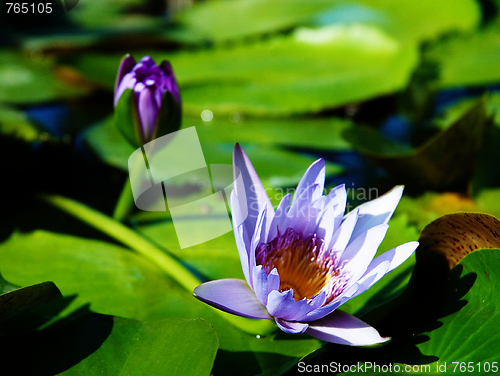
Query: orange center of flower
[{"x": 302, "y": 263}]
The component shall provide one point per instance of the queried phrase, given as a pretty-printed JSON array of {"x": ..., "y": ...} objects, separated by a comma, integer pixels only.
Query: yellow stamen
[{"x": 299, "y": 267}]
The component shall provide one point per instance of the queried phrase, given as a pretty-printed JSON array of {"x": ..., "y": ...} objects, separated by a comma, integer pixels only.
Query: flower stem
[
  {"x": 150, "y": 251},
  {"x": 125, "y": 202}
]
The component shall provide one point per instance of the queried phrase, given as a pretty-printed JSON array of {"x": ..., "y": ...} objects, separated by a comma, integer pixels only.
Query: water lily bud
[{"x": 147, "y": 100}]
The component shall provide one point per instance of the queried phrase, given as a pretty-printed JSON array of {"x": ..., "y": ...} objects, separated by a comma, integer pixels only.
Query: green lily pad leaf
[
  {"x": 344, "y": 64},
  {"x": 445, "y": 161},
  {"x": 303, "y": 132},
  {"x": 488, "y": 201},
  {"x": 6, "y": 286},
  {"x": 114, "y": 280},
  {"x": 467, "y": 60},
  {"x": 454, "y": 332},
  {"x": 16, "y": 124},
  {"x": 286, "y": 168},
  {"x": 109, "y": 13},
  {"x": 173, "y": 347},
  {"x": 27, "y": 81},
  {"x": 464, "y": 339},
  {"x": 90, "y": 269},
  {"x": 443, "y": 314},
  {"x": 412, "y": 20},
  {"x": 15, "y": 300},
  {"x": 101, "y": 344},
  {"x": 466, "y": 335},
  {"x": 452, "y": 297}
]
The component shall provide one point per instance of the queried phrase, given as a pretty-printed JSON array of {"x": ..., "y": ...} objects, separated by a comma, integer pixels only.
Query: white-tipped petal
[
  {"x": 342, "y": 236},
  {"x": 315, "y": 174},
  {"x": 377, "y": 211},
  {"x": 273, "y": 281},
  {"x": 279, "y": 217},
  {"x": 259, "y": 280},
  {"x": 239, "y": 236},
  {"x": 250, "y": 191},
  {"x": 345, "y": 329},
  {"x": 372, "y": 276},
  {"x": 360, "y": 252},
  {"x": 291, "y": 327},
  {"x": 397, "y": 256}
]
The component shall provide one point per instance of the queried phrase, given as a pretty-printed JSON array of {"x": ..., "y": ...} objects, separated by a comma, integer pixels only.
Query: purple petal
[
  {"x": 250, "y": 191},
  {"x": 325, "y": 225},
  {"x": 291, "y": 327},
  {"x": 377, "y": 211},
  {"x": 372, "y": 276},
  {"x": 315, "y": 174},
  {"x": 281, "y": 304},
  {"x": 345, "y": 329},
  {"x": 172, "y": 85},
  {"x": 385, "y": 263},
  {"x": 397, "y": 255},
  {"x": 259, "y": 235},
  {"x": 332, "y": 210},
  {"x": 128, "y": 82},
  {"x": 301, "y": 212},
  {"x": 279, "y": 217},
  {"x": 233, "y": 296},
  {"x": 126, "y": 66},
  {"x": 273, "y": 281},
  {"x": 240, "y": 235},
  {"x": 323, "y": 311},
  {"x": 343, "y": 234},
  {"x": 360, "y": 252},
  {"x": 259, "y": 280},
  {"x": 148, "y": 113}
]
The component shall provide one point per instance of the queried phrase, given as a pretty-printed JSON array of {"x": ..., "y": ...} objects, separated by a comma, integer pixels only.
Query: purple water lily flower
[
  {"x": 304, "y": 260},
  {"x": 149, "y": 82}
]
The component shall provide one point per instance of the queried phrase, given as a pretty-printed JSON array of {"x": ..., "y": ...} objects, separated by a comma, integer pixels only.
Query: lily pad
[
  {"x": 16, "y": 124},
  {"x": 286, "y": 168},
  {"x": 27, "y": 81},
  {"x": 454, "y": 280},
  {"x": 467, "y": 60},
  {"x": 114, "y": 280},
  {"x": 100, "y": 344},
  {"x": 173, "y": 347},
  {"x": 411, "y": 20},
  {"x": 344, "y": 64}
]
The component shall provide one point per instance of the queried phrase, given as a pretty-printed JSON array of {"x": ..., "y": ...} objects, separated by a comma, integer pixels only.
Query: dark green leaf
[
  {"x": 445, "y": 161},
  {"x": 99, "y": 344},
  {"x": 173, "y": 347},
  {"x": 19, "y": 300},
  {"x": 126, "y": 119}
]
